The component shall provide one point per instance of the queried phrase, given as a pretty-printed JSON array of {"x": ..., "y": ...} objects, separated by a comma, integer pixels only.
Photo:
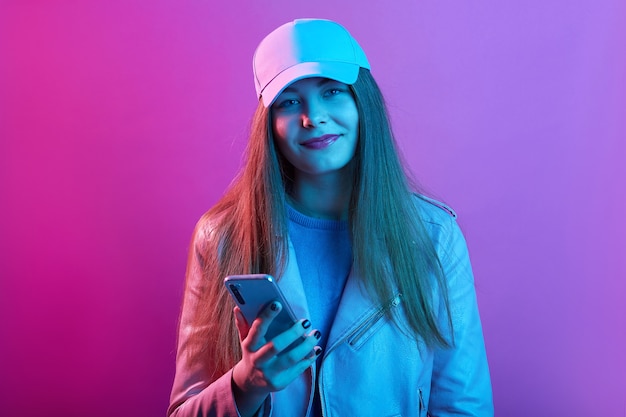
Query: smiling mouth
[{"x": 320, "y": 142}]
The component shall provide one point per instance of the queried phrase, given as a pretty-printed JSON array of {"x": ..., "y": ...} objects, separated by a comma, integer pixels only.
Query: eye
[
  {"x": 286, "y": 103},
  {"x": 335, "y": 90}
]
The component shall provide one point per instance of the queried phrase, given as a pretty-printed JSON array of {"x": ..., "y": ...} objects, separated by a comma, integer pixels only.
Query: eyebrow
[{"x": 319, "y": 83}]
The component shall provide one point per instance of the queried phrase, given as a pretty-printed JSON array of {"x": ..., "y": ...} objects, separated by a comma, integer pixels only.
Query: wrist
[{"x": 248, "y": 397}]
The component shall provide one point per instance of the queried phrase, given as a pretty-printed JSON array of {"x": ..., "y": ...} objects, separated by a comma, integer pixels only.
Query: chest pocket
[{"x": 372, "y": 324}]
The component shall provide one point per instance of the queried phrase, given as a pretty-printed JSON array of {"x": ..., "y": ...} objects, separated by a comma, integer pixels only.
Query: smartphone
[{"x": 252, "y": 293}]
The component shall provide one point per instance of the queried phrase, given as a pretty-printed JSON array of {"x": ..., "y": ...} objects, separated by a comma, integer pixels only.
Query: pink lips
[{"x": 320, "y": 142}]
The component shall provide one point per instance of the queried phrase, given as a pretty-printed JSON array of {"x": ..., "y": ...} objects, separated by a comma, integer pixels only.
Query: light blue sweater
[{"x": 324, "y": 256}]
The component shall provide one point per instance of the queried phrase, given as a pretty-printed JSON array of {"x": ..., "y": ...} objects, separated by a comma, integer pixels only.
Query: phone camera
[{"x": 237, "y": 294}]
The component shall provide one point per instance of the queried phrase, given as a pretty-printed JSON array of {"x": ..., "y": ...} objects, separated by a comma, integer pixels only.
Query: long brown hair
[{"x": 246, "y": 231}]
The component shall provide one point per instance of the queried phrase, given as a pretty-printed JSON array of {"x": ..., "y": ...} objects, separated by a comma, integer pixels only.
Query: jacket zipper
[
  {"x": 358, "y": 333},
  {"x": 370, "y": 322}
]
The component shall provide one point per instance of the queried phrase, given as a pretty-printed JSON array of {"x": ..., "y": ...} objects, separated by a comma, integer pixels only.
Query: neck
[{"x": 323, "y": 197}]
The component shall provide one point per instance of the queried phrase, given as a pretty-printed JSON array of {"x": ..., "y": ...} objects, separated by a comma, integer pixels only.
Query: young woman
[{"x": 378, "y": 274}]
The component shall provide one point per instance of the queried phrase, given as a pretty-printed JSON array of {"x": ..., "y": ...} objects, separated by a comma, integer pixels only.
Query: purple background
[{"x": 121, "y": 122}]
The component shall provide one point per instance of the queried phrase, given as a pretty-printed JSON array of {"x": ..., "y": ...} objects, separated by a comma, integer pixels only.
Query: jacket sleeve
[
  {"x": 196, "y": 390},
  {"x": 461, "y": 384}
]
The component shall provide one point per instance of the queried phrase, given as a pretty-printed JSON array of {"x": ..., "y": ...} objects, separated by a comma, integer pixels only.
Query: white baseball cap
[{"x": 305, "y": 48}]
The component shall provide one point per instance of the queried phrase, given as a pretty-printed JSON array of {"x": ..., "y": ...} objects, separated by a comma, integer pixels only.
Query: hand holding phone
[
  {"x": 252, "y": 293},
  {"x": 257, "y": 371}
]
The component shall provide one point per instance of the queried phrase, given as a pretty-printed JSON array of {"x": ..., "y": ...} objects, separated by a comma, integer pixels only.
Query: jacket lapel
[
  {"x": 290, "y": 284},
  {"x": 297, "y": 397},
  {"x": 355, "y": 306}
]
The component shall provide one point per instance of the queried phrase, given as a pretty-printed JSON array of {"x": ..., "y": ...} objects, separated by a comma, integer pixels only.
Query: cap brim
[{"x": 346, "y": 73}]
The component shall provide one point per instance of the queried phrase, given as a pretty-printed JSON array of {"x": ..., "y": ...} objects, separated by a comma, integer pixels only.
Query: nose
[{"x": 314, "y": 114}]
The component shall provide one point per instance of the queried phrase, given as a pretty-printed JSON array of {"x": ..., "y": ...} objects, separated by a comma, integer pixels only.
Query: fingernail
[
  {"x": 306, "y": 324},
  {"x": 317, "y": 334},
  {"x": 274, "y": 306},
  {"x": 318, "y": 350}
]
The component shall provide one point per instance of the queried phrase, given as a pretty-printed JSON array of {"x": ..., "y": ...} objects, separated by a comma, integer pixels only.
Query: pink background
[{"x": 121, "y": 122}]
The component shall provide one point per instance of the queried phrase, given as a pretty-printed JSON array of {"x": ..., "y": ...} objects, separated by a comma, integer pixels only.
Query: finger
[
  {"x": 297, "y": 368},
  {"x": 242, "y": 325},
  {"x": 261, "y": 324},
  {"x": 297, "y": 352},
  {"x": 292, "y": 335},
  {"x": 317, "y": 350},
  {"x": 290, "y": 338},
  {"x": 280, "y": 370},
  {"x": 278, "y": 378}
]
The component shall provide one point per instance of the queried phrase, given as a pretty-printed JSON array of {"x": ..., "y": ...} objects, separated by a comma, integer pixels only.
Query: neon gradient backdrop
[{"x": 122, "y": 122}]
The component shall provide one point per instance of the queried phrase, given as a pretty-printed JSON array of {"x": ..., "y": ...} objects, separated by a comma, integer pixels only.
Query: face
[{"x": 316, "y": 125}]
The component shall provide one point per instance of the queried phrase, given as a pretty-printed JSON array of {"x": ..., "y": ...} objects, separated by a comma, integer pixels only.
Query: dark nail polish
[
  {"x": 274, "y": 306},
  {"x": 317, "y": 334},
  {"x": 306, "y": 324},
  {"x": 318, "y": 350}
]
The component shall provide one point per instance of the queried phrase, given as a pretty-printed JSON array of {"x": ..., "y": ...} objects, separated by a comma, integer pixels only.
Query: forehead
[{"x": 311, "y": 82}]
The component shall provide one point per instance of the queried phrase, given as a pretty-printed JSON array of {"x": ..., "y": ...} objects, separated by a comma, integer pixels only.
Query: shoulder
[
  {"x": 206, "y": 226},
  {"x": 440, "y": 224},
  {"x": 438, "y": 219},
  {"x": 433, "y": 211},
  {"x": 208, "y": 231}
]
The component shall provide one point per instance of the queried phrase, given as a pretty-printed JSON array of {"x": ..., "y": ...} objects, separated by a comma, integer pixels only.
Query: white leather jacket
[{"x": 370, "y": 366}]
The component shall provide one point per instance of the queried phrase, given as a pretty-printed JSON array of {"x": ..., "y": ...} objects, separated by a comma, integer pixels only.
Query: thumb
[{"x": 242, "y": 325}]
